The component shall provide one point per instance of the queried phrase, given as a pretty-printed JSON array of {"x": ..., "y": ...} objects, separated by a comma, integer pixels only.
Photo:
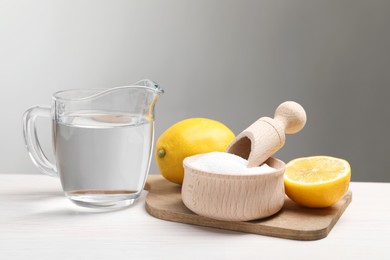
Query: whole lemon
[{"x": 186, "y": 138}]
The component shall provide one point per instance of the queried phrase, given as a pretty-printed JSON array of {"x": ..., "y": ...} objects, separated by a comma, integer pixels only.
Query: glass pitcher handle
[{"x": 31, "y": 139}]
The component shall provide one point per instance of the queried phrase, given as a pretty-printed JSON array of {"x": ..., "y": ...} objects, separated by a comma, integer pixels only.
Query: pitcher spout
[
  {"x": 135, "y": 100},
  {"x": 151, "y": 85}
]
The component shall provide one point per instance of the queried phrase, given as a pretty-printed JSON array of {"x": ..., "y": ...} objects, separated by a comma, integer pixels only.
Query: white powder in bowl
[{"x": 220, "y": 162}]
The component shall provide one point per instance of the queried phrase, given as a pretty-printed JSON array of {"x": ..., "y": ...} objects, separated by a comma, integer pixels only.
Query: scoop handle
[
  {"x": 291, "y": 115},
  {"x": 267, "y": 135}
]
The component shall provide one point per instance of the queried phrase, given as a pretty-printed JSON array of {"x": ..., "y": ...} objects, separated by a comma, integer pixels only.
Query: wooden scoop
[{"x": 266, "y": 136}]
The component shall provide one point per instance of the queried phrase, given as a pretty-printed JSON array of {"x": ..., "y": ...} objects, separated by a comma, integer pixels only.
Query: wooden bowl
[{"x": 233, "y": 197}]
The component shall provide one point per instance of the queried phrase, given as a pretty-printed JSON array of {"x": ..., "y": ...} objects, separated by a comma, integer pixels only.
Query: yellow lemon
[
  {"x": 317, "y": 181},
  {"x": 186, "y": 138}
]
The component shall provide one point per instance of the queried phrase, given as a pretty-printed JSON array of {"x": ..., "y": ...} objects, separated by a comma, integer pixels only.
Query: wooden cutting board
[{"x": 293, "y": 221}]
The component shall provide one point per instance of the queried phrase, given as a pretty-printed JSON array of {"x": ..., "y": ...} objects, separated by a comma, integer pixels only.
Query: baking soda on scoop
[{"x": 220, "y": 162}]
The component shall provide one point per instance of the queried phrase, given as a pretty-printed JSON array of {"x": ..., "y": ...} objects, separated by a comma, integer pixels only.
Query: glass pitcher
[{"x": 102, "y": 141}]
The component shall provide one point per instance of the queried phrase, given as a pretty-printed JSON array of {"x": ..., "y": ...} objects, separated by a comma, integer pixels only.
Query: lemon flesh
[{"x": 317, "y": 181}]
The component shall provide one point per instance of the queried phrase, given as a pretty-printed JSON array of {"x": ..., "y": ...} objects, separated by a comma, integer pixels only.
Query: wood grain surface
[
  {"x": 266, "y": 136},
  {"x": 292, "y": 222},
  {"x": 233, "y": 197}
]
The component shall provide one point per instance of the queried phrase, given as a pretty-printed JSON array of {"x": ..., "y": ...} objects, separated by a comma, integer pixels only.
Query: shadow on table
[
  {"x": 66, "y": 208},
  {"x": 31, "y": 196}
]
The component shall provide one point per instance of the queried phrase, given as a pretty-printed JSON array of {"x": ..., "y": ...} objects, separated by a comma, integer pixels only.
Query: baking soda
[{"x": 220, "y": 162}]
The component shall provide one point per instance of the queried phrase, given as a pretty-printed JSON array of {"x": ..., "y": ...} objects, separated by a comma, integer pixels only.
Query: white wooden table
[{"x": 38, "y": 222}]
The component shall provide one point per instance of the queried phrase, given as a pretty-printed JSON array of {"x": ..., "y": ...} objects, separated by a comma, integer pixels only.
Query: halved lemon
[{"x": 317, "y": 181}]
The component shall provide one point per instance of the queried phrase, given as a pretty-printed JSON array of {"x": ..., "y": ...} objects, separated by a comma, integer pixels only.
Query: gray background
[{"x": 232, "y": 61}]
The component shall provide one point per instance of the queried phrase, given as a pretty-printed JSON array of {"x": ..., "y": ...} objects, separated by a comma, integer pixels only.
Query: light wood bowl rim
[{"x": 278, "y": 164}]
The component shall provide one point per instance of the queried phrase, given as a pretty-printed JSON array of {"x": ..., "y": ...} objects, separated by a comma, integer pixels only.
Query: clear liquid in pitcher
[{"x": 103, "y": 159}]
